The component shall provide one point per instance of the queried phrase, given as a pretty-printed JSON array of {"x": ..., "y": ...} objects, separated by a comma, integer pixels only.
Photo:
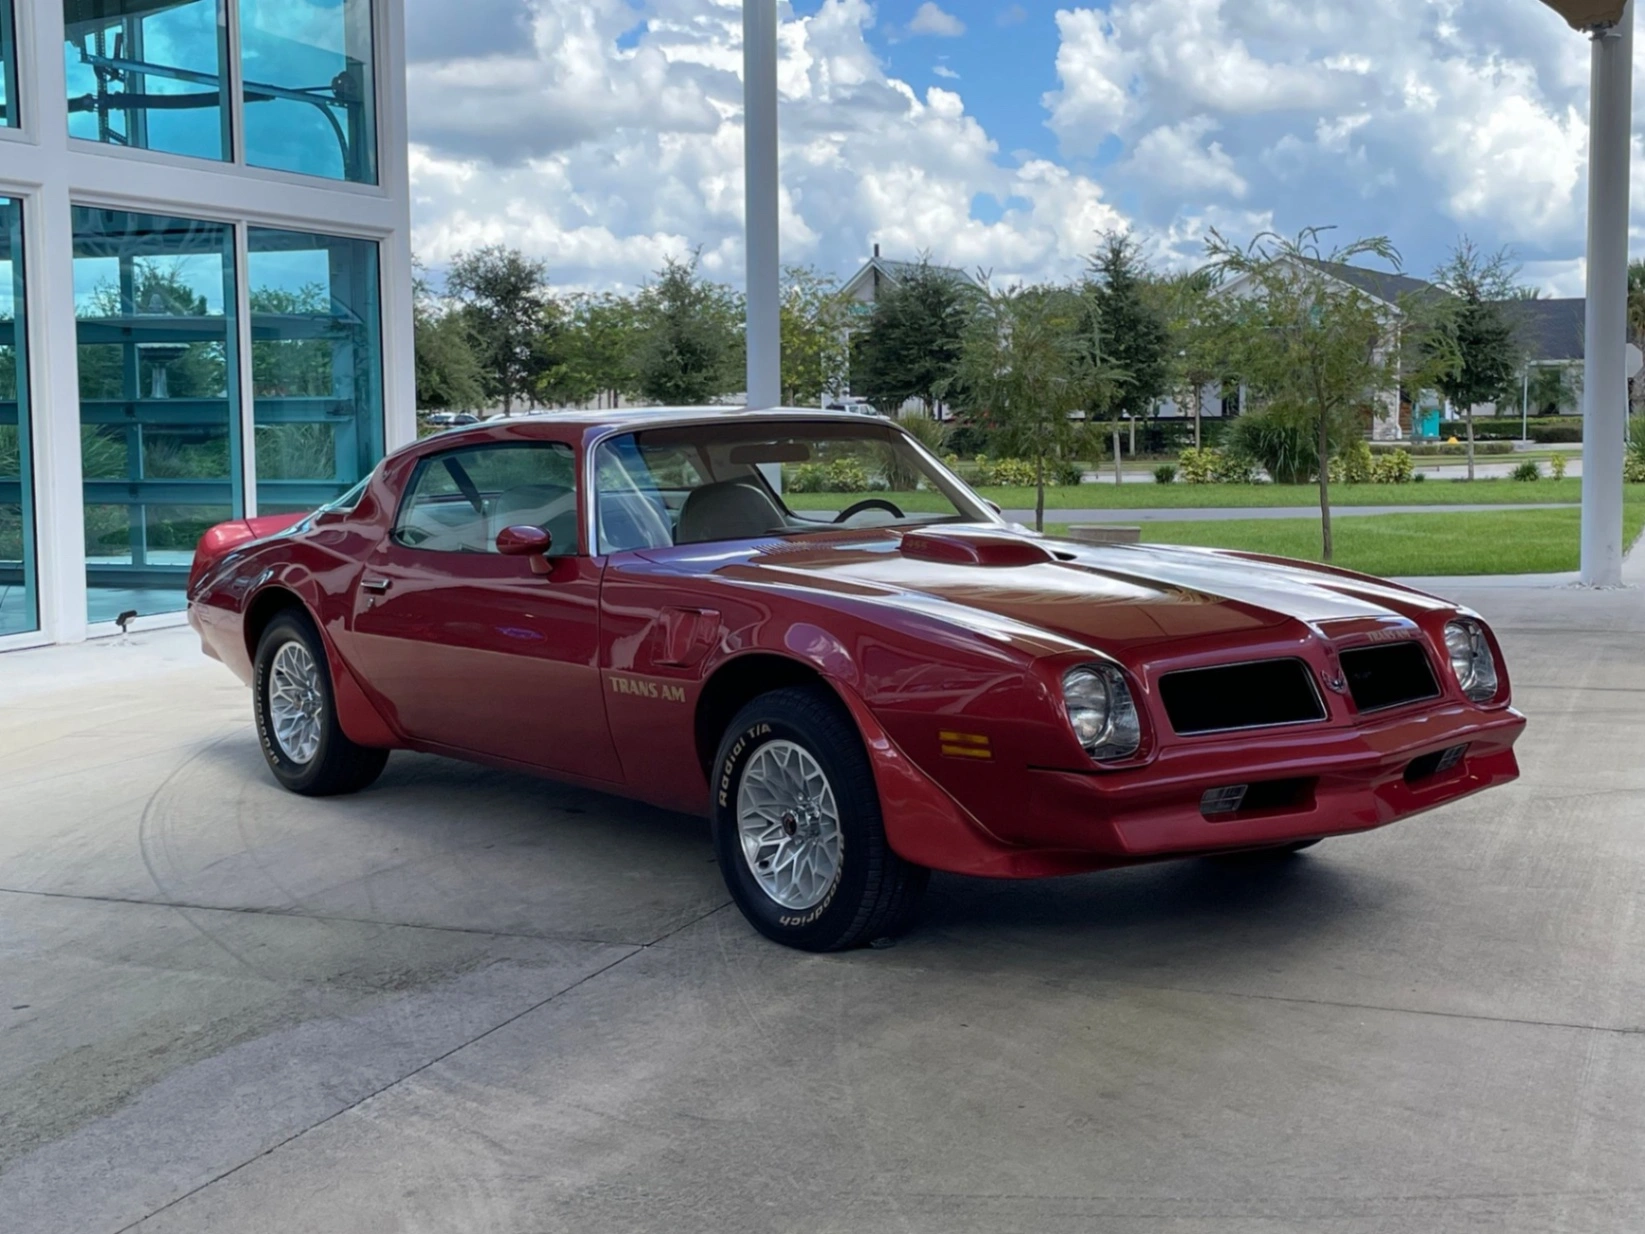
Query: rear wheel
[
  {"x": 302, "y": 741},
  {"x": 798, "y": 830}
]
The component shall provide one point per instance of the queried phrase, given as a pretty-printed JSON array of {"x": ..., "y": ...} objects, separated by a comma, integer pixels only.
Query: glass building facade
[
  {"x": 317, "y": 366},
  {"x": 291, "y": 124},
  {"x": 148, "y": 74},
  {"x": 18, "y": 609},
  {"x": 8, "y": 65},
  {"x": 204, "y": 238},
  {"x": 154, "y": 300}
]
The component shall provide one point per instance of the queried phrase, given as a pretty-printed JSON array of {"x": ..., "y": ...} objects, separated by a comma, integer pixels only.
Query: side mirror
[
  {"x": 993, "y": 505},
  {"x": 525, "y": 541}
]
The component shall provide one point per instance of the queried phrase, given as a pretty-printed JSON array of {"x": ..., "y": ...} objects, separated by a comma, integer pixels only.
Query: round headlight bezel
[
  {"x": 1102, "y": 712},
  {"x": 1473, "y": 664}
]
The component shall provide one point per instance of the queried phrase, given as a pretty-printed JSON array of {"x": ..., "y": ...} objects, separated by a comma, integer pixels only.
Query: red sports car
[{"x": 703, "y": 611}]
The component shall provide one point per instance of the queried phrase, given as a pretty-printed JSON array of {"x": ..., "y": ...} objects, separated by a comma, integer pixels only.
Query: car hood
[{"x": 1113, "y": 596}]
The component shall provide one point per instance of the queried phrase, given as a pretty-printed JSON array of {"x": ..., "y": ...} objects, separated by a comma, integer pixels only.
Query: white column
[
  {"x": 54, "y": 391},
  {"x": 762, "y": 202},
  {"x": 1605, "y": 384}
]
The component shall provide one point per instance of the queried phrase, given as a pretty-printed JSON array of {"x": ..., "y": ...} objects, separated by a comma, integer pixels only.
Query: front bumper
[{"x": 1344, "y": 780}]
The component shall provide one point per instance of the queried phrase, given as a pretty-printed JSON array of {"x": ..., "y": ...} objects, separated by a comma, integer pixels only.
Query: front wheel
[
  {"x": 798, "y": 831},
  {"x": 303, "y": 743}
]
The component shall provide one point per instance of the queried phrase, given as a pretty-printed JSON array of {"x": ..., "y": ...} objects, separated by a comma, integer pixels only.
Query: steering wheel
[{"x": 871, "y": 503}]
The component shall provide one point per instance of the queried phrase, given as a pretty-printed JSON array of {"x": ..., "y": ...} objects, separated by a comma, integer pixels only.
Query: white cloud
[
  {"x": 1175, "y": 158},
  {"x": 605, "y": 149},
  {"x": 1436, "y": 117},
  {"x": 930, "y": 19},
  {"x": 942, "y": 70}
]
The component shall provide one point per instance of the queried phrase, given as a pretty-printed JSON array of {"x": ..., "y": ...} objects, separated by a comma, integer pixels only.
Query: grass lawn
[
  {"x": 1509, "y": 542},
  {"x": 1208, "y": 496}
]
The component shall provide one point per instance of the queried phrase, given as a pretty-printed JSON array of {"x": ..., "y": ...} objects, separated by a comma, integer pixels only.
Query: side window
[{"x": 459, "y": 500}]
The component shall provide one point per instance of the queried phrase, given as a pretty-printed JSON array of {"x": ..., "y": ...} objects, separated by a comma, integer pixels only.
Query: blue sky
[{"x": 604, "y": 135}]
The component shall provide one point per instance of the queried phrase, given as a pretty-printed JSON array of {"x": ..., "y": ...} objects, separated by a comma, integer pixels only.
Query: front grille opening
[
  {"x": 1267, "y": 797},
  {"x": 1435, "y": 764},
  {"x": 1260, "y": 695},
  {"x": 1389, "y": 676}
]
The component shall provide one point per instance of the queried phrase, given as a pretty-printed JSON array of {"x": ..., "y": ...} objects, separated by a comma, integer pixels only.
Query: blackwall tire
[
  {"x": 797, "y": 827},
  {"x": 303, "y": 743}
]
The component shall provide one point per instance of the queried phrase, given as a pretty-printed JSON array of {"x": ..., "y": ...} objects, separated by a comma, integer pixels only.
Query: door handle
[{"x": 377, "y": 586}]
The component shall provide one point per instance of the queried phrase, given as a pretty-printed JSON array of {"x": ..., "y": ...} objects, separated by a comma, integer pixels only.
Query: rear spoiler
[{"x": 226, "y": 537}]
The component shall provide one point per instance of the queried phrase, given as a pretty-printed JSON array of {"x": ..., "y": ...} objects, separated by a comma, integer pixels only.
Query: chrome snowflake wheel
[
  {"x": 789, "y": 825},
  {"x": 296, "y": 702}
]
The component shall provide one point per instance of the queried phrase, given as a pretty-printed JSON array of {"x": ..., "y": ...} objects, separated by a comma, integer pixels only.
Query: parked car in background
[
  {"x": 855, "y": 696},
  {"x": 451, "y": 419}
]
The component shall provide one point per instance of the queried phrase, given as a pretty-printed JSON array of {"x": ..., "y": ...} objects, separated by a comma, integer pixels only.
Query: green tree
[
  {"x": 449, "y": 375},
  {"x": 689, "y": 345},
  {"x": 1310, "y": 346},
  {"x": 503, "y": 297},
  {"x": 1026, "y": 368},
  {"x": 915, "y": 340},
  {"x": 815, "y": 324},
  {"x": 1473, "y": 330},
  {"x": 1126, "y": 315},
  {"x": 597, "y": 352},
  {"x": 1197, "y": 352}
]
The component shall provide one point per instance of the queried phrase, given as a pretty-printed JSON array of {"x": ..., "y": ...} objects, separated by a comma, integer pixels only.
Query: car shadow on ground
[{"x": 500, "y": 835}]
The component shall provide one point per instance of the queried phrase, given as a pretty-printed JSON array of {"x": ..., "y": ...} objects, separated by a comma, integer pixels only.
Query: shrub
[
  {"x": 1633, "y": 467},
  {"x": 1007, "y": 473},
  {"x": 1198, "y": 466},
  {"x": 1557, "y": 466},
  {"x": 1230, "y": 467},
  {"x": 845, "y": 475},
  {"x": 1068, "y": 473},
  {"x": 1528, "y": 470},
  {"x": 1353, "y": 465},
  {"x": 1283, "y": 444},
  {"x": 1394, "y": 468},
  {"x": 1456, "y": 450},
  {"x": 966, "y": 439},
  {"x": 806, "y": 478},
  {"x": 1207, "y": 466},
  {"x": 1165, "y": 475}
]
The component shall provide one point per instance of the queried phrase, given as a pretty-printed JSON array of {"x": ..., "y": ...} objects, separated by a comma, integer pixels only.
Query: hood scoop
[{"x": 958, "y": 546}]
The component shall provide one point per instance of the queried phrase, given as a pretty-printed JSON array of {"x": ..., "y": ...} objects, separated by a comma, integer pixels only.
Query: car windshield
[{"x": 699, "y": 484}]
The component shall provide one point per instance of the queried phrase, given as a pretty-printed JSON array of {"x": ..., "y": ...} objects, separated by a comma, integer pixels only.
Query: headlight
[
  {"x": 1471, "y": 660},
  {"x": 1102, "y": 712}
]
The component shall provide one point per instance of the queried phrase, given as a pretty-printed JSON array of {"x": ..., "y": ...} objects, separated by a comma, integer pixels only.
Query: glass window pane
[
  {"x": 316, "y": 364},
  {"x": 309, "y": 87},
  {"x": 148, "y": 74},
  {"x": 17, "y": 594},
  {"x": 8, "y": 66},
  {"x": 159, "y": 419},
  {"x": 460, "y": 501}
]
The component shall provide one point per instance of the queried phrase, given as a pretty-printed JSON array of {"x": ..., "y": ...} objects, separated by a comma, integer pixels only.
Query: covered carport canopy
[{"x": 1589, "y": 14}]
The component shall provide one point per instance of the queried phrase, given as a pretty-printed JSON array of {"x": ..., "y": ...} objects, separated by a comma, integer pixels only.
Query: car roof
[{"x": 584, "y": 423}]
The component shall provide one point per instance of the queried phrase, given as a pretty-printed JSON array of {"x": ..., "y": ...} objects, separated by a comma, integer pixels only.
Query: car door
[{"x": 477, "y": 651}]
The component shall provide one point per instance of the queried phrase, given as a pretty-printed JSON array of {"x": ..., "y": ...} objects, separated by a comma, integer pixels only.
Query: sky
[{"x": 1002, "y": 136}]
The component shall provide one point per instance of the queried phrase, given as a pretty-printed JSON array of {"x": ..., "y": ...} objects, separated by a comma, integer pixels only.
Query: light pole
[
  {"x": 762, "y": 203},
  {"x": 1610, "y": 23}
]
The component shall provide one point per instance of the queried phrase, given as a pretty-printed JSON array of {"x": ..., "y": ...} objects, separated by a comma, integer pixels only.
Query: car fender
[
  {"x": 924, "y": 824},
  {"x": 357, "y": 715}
]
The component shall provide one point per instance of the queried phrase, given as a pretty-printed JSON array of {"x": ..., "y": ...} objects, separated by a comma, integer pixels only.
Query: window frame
[
  {"x": 422, "y": 466},
  {"x": 233, "y": 84},
  {"x": 952, "y": 487}
]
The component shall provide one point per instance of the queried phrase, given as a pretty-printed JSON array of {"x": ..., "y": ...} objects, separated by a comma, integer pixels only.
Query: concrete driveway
[{"x": 470, "y": 1001}]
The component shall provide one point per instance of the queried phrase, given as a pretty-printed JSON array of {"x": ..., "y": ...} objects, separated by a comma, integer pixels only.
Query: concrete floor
[{"x": 470, "y": 1001}]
